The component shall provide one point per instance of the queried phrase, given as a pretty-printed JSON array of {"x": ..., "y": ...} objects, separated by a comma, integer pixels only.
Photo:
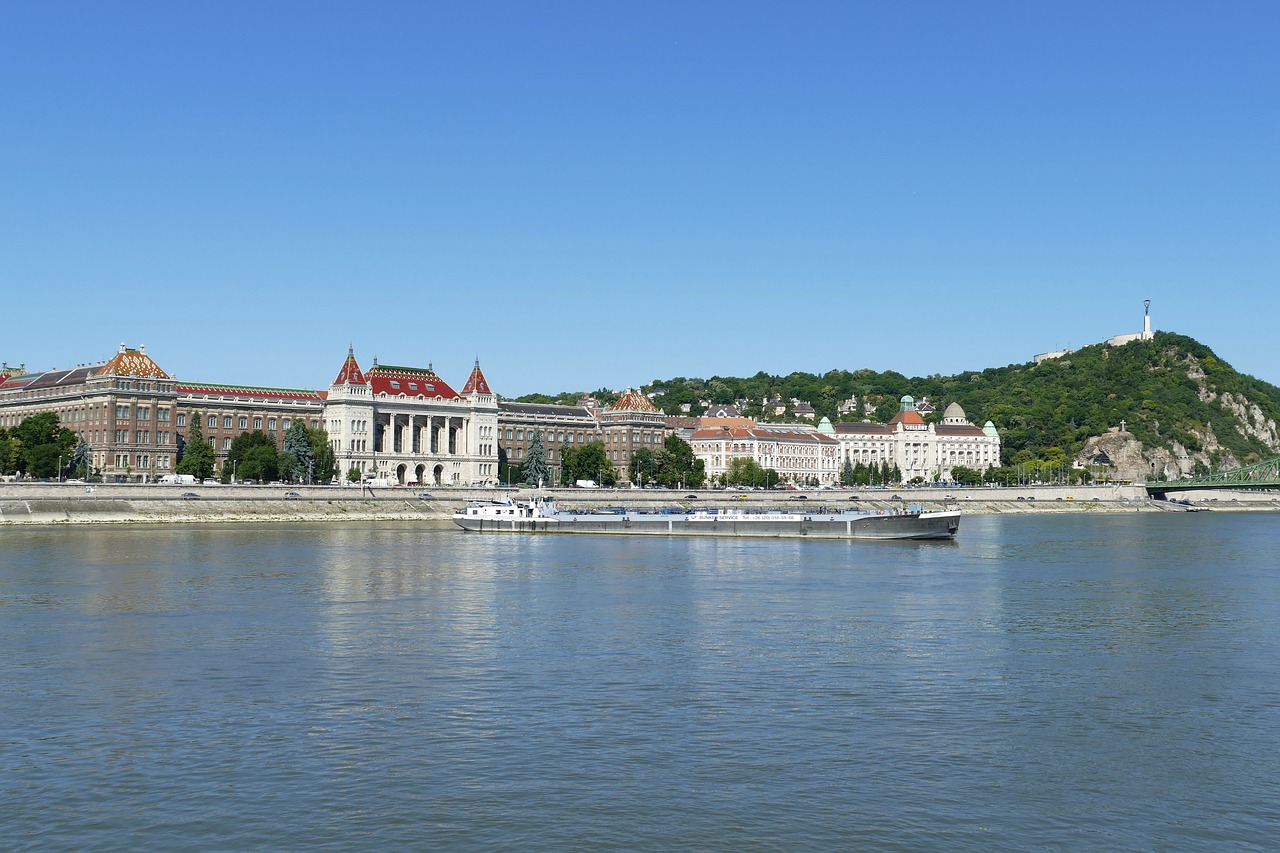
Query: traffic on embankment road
[{"x": 73, "y": 503}]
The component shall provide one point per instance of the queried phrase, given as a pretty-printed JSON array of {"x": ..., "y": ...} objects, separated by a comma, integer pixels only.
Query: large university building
[
  {"x": 406, "y": 425},
  {"x": 630, "y": 424},
  {"x": 134, "y": 417}
]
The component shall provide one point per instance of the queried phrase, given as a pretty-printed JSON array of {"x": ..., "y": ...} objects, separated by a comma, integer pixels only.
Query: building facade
[
  {"x": 561, "y": 428},
  {"x": 227, "y": 411},
  {"x": 123, "y": 410},
  {"x": 800, "y": 455},
  {"x": 919, "y": 449},
  {"x": 405, "y": 425}
]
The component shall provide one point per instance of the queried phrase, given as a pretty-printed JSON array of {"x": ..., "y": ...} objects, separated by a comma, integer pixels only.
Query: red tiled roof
[
  {"x": 350, "y": 374},
  {"x": 476, "y": 383},
  {"x": 247, "y": 392},
  {"x": 761, "y": 434},
  {"x": 410, "y": 381}
]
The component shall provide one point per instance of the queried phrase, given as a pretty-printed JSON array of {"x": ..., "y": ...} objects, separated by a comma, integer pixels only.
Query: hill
[{"x": 1183, "y": 410}]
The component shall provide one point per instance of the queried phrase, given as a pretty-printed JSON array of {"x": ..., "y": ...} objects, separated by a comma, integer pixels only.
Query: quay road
[{"x": 453, "y": 495}]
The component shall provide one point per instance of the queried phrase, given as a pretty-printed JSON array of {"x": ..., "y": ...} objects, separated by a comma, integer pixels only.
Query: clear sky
[{"x": 600, "y": 194}]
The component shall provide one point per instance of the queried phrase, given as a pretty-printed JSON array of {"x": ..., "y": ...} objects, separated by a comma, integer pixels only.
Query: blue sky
[{"x": 590, "y": 195}]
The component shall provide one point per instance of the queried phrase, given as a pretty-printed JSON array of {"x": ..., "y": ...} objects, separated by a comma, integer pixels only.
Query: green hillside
[{"x": 1170, "y": 389}]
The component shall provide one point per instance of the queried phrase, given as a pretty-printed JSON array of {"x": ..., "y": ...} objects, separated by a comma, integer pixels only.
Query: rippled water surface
[{"x": 1058, "y": 682}]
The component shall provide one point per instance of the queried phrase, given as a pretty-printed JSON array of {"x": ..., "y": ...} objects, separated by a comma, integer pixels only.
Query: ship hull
[{"x": 926, "y": 525}]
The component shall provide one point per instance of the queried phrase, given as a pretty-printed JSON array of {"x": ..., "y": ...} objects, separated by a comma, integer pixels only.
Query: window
[
  {"x": 213, "y": 421},
  {"x": 226, "y": 421},
  {"x": 395, "y": 385},
  {"x": 271, "y": 424},
  {"x": 257, "y": 423},
  {"x": 226, "y": 443},
  {"x": 182, "y": 420},
  {"x": 162, "y": 414},
  {"x": 244, "y": 423}
]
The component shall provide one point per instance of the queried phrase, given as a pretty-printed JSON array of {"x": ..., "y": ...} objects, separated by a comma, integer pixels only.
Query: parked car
[
  {"x": 799, "y": 497},
  {"x": 691, "y": 497},
  {"x": 426, "y": 496},
  {"x": 190, "y": 496},
  {"x": 291, "y": 496}
]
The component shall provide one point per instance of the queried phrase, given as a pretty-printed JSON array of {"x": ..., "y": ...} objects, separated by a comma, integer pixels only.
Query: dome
[
  {"x": 953, "y": 414},
  {"x": 989, "y": 428},
  {"x": 907, "y": 403}
]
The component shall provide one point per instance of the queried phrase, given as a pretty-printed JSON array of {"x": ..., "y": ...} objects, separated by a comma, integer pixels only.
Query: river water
[{"x": 1044, "y": 682}]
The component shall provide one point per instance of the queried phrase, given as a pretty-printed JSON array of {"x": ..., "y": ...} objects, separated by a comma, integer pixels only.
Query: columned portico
[{"x": 422, "y": 431}]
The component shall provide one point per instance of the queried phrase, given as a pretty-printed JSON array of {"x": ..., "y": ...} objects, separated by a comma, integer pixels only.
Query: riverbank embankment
[{"x": 75, "y": 503}]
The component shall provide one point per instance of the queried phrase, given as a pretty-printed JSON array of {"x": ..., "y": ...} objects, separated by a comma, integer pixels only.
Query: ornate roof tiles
[
  {"x": 350, "y": 374},
  {"x": 633, "y": 401},
  {"x": 133, "y": 362},
  {"x": 476, "y": 383}
]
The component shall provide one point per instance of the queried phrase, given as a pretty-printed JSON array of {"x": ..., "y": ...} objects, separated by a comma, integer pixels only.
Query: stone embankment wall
[{"x": 53, "y": 503}]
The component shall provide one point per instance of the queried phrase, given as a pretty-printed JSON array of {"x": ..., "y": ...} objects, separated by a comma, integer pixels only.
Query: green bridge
[{"x": 1259, "y": 475}]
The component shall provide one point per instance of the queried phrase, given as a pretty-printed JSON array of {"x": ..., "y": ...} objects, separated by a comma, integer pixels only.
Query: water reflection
[{"x": 1042, "y": 682}]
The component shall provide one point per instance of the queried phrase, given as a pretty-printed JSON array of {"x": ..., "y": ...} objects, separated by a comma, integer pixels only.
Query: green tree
[
  {"x": 240, "y": 447},
  {"x": 297, "y": 459},
  {"x": 41, "y": 441},
  {"x": 324, "y": 459},
  {"x": 353, "y": 474},
  {"x": 197, "y": 457},
  {"x": 677, "y": 466},
  {"x": 80, "y": 461},
  {"x": 7, "y": 452},
  {"x": 966, "y": 476},
  {"x": 261, "y": 463},
  {"x": 747, "y": 472},
  {"x": 535, "y": 464},
  {"x": 644, "y": 466},
  {"x": 847, "y": 475},
  {"x": 591, "y": 462}
]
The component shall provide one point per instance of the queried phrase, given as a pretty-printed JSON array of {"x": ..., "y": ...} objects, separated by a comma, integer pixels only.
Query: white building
[
  {"x": 918, "y": 449},
  {"x": 798, "y": 454},
  {"x": 406, "y": 425}
]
